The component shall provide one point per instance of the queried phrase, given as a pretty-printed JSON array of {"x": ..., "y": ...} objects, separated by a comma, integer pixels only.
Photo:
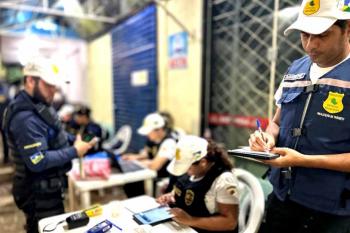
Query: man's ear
[
  {"x": 31, "y": 81},
  {"x": 348, "y": 28}
]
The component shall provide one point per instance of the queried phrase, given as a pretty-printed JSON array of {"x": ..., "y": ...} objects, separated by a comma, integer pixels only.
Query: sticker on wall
[
  {"x": 178, "y": 50},
  {"x": 139, "y": 78}
]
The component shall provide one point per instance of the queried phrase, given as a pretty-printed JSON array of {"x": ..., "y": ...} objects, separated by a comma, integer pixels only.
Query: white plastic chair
[
  {"x": 252, "y": 202},
  {"x": 123, "y": 136}
]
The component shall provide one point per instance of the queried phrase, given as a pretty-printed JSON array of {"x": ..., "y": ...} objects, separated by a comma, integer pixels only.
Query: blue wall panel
[{"x": 134, "y": 49}]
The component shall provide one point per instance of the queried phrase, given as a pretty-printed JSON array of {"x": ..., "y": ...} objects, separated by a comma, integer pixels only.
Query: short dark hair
[
  {"x": 84, "y": 111},
  {"x": 341, "y": 23}
]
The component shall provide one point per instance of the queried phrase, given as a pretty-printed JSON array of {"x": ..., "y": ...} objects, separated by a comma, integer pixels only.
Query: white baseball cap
[
  {"x": 151, "y": 122},
  {"x": 316, "y": 16},
  {"x": 65, "y": 110},
  {"x": 46, "y": 70},
  {"x": 190, "y": 149}
]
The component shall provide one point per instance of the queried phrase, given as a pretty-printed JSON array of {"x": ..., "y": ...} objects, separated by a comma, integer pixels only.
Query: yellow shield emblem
[
  {"x": 178, "y": 154},
  {"x": 311, "y": 7},
  {"x": 177, "y": 191},
  {"x": 334, "y": 104},
  {"x": 189, "y": 196}
]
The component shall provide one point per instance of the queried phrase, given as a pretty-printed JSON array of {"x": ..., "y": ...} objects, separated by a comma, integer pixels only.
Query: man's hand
[
  {"x": 82, "y": 147},
  {"x": 288, "y": 158},
  {"x": 261, "y": 141}
]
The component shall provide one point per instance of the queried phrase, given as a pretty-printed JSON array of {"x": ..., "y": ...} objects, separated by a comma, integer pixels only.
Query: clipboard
[
  {"x": 153, "y": 216},
  {"x": 246, "y": 152}
]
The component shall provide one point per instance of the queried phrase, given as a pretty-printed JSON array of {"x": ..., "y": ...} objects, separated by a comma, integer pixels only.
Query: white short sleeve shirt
[
  {"x": 224, "y": 190},
  {"x": 167, "y": 149}
]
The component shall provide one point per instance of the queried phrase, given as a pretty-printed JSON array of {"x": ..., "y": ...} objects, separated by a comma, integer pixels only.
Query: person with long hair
[{"x": 205, "y": 195}]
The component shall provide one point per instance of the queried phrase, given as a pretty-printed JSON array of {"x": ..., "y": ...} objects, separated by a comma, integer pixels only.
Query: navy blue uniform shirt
[{"x": 31, "y": 136}]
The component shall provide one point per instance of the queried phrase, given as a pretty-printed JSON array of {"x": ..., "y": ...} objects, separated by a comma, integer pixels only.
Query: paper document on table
[{"x": 141, "y": 203}]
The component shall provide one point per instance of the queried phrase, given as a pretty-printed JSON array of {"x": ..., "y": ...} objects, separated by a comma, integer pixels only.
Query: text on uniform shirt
[{"x": 292, "y": 77}]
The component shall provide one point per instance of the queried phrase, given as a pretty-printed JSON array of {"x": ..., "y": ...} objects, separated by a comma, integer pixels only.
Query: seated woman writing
[{"x": 205, "y": 195}]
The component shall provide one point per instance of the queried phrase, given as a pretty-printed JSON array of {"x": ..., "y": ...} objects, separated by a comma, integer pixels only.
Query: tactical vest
[
  {"x": 315, "y": 120},
  {"x": 23, "y": 103},
  {"x": 190, "y": 196}
]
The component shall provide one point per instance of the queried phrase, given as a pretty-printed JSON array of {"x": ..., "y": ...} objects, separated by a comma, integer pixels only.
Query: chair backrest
[
  {"x": 252, "y": 202},
  {"x": 121, "y": 139}
]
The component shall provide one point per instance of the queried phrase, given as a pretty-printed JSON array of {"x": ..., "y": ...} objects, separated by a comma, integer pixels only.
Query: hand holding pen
[
  {"x": 259, "y": 141},
  {"x": 258, "y": 126}
]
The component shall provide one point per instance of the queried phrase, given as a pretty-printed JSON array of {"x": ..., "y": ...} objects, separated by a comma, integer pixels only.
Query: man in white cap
[
  {"x": 39, "y": 146},
  {"x": 310, "y": 129},
  {"x": 205, "y": 195},
  {"x": 160, "y": 146}
]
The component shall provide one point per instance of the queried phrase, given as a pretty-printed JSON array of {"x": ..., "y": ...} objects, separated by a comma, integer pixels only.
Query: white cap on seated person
[
  {"x": 151, "y": 122},
  {"x": 190, "y": 149},
  {"x": 46, "y": 70},
  {"x": 315, "y": 17},
  {"x": 65, "y": 110}
]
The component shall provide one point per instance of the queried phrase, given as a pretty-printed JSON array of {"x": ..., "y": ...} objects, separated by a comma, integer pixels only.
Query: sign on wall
[{"x": 178, "y": 50}]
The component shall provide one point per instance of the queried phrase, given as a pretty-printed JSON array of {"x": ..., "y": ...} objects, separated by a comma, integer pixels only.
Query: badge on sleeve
[
  {"x": 31, "y": 146},
  {"x": 36, "y": 158},
  {"x": 334, "y": 104},
  {"x": 231, "y": 190}
]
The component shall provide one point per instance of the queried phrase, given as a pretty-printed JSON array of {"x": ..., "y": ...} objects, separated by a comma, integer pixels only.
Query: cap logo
[
  {"x": 311, "y": 7},
  {"x": 177, "y": 154},
  {"x": 344, "y": 5},
  {"x": 55, "y": 69}
]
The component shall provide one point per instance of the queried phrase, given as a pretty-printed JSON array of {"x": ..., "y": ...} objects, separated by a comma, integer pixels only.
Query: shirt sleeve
[
  {"x": 226, "y": 188},
  {"x": 167, "y": 149},
  {"x": 31, "y": 137}
]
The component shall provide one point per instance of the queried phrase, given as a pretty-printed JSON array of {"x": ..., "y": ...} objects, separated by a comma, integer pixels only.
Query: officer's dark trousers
[
  {"x": 290, "y": 217},
  {"x": 37, "y": 205}
]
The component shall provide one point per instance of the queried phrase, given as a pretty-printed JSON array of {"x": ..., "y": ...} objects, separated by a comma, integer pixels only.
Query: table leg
[
  {"x": 149, "y": 187},
  {"x": 70, "y": 194},
  {"x": 85, "y": 199}
]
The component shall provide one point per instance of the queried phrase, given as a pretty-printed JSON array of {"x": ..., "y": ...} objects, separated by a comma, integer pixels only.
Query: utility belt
[{"x": 50, "y": 185}]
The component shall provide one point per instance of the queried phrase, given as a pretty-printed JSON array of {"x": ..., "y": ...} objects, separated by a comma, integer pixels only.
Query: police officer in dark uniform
[
  {"x": 310, "y": 129},
  {"x": 39, "y": 146},
  {"x": 205, "y": 195}
]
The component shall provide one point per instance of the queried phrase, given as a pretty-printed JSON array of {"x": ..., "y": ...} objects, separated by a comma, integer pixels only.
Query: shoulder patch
[
  {"x": 31, "y": 146},
  {"x": 231, "y": 190},
  {"x": 36, "y": 158}
]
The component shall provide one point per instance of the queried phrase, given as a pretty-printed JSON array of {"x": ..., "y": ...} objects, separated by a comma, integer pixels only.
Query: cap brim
[
  {"x": 313, "y": 25},
  {"x": 56, "y": 81},
  {"x": 144, "y": 130},
  {"x": 178, "y": 168}
]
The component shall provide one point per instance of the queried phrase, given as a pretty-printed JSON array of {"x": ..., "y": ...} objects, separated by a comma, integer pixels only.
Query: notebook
[
  {"x": 128, "y": 165},
  {"x": 122, "y": 165},
  {"x": 247, "y": 153}
]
